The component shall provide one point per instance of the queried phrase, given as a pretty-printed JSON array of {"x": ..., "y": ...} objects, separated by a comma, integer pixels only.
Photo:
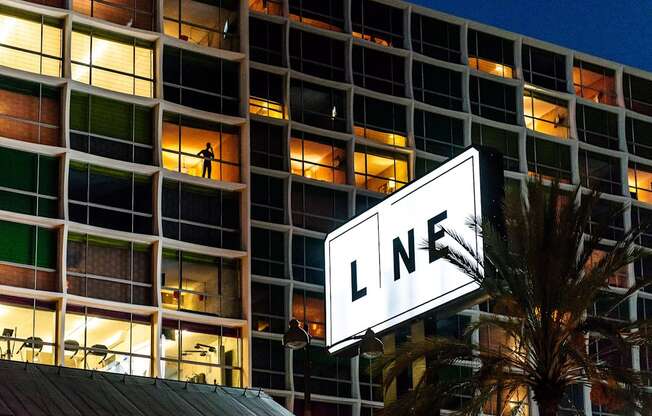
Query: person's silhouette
[{"x": 208, "y": 156}]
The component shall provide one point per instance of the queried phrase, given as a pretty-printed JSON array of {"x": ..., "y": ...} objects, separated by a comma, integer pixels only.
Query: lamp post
[{"x": 296, "y": 338}]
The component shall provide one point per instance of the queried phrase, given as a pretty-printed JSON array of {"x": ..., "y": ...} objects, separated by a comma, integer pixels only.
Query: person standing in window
[{"x": 208, "y": 156}]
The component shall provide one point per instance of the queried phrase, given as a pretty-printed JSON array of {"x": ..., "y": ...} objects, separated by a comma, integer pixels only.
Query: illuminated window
[
  {"x": 28, "y": 256},
  {"x": 545, "y": 114},
  {"x": 379, "y": 170},
  {"x": 109, "y": 198},
  {"x": 268, "y": 308},
  {"x": 435, "y": 38},
  {"x": 638, "y": 135},
  {"x": 597, "y": 127},
  {"x": 618, "y": 279},
  {"x": 108, "y": 269},
  {"x": 138, "y": 14},
  {"x": 309, "y": 308},
  {"x": 493, "y": 100},
  {"x": 101, "y": 340},
  {"x": 491, "y": 54},
  {"x": 266, "y": 41},
  {"x": 318, "y": 208},
  {"x": 640, "y": 182},
  {"x": 437, "y": 86},
  {"x": 268, "y": 199},
  {"x": 438, "y": 134},
  {"x": 212, "y": 24},
  {"x": 514, "y": 401},
  {"x": 377, "y": 23},
  {"x": 378, "y": 71},
  {"x": 200, "y": 81},
  {"x": 266, "y": 94},
  {"x": 318, "y": 158},
  {"x": 379, "y": 120},
  {"x": 201, "y": 148},
  {"x": 201, "y": 215},
  {"x": 594, "y": 82},
  {"x": 600, "y": 171},
  {"x": 317, "y": 105},
  {"x": 29, "y": 330},
  {"x": 544, "y": 68},
  {"x": 201, "y": 353},
  {"x": 111, "y": 128},
  {"x": 548, "y": 159},
  {"x": 638, "y": 94},
  {"x": 31, "y": 43},
  {"x": 506, "y": 142},
  {"x": 317, "y": 55},
  {"x": 30, "y": 183},
  {"x": 30, "y": 112},
  {"x": 273, "y": 7},
  {"x": 200, "y": 283},
  {"x": 113, "y": 62},
  {"x": 323, "y": 14}
]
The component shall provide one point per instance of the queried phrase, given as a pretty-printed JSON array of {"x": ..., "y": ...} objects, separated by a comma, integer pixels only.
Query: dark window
[
  {"x": 110, "y": 198},
  {"x": 493, "y": 100},
  {"x": 638, "y": 94},
  {"x": 548, "y": 159},
  {"x": 544, "y": 68},
  {"x": 29, "y": 183},
  {"x": 211, "y": 23},
  {"x": 102, "y": 268},
  {"x": 638, "y": 134},
  {"x": 318, "y": 208},
  {"x": 111, "y": 128},
  {"x": 594, "y": 82},
  {"x": 267, "y": 146},
  {"x": 201, "y": 283},
  {"x": 265, "y": 42},
  {"x": 324, "y": 14},
  {"x": 607, "y": 221},
  {"x": 330, "y": 375},
  {"x": 423, "y": 166},
  {"x": 644, "y": 312},
  {"x": 435, "y": 38},
  {"x": 491, "y": 54},
  {"x": 506, "y": 142},
  {"x": 268, "y": 362},
  {"x": 371, "y": 384},
  {"x": 438, "y": 134},
  {"x": 267, "y": 199},
  {"x": 200, "y": 215},
  {"x": 307, "y": 259},
  {"x": 597, "y": 127},
  {"x": 268, "y": 253},
  {"x": 364, "y": 202},
  {"x": 437, "y": 86},
  {"x": 28, "y": 256},
  {"x": 35, "y": 113},
  {"x": 318, "y": 106},
  {"x": 377, "y": 22},
  {"x": 268, "y": 308},
  {"x": 378, "y": 71},
  {"x": 642, "y": 217},
  {"x": 266, "y": 92},
  {"x": 137, "y": 14},
  {"x": 200, "y": 81},
  {"x": 317, "y": 55},
  {"x": 600, "y": 172},
  {"x": 379, "y": 120}
]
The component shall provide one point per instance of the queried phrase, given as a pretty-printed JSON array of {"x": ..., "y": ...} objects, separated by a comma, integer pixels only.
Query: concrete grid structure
[{"x": 315, "y": 110}]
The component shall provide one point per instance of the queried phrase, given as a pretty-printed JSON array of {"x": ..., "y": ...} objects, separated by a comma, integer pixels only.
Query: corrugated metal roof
[{"x": 42, "y": 390}]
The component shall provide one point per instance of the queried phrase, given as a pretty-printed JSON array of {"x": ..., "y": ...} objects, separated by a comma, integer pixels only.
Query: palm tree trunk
[{"x": 548, "y": 408}]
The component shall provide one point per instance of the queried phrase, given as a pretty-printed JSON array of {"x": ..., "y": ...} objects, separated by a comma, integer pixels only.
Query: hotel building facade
[{"x": 171, "y": 168}]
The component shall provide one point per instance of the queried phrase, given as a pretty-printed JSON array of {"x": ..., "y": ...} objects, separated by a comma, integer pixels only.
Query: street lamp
[{"x": 296, "y": 338}]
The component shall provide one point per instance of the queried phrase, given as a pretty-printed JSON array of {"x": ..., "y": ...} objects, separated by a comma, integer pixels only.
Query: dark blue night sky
[{"x": 619, "y": 30}]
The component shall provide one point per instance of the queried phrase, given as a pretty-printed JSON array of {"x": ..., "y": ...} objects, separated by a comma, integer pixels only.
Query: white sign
[{"x": 377, "y": 272}]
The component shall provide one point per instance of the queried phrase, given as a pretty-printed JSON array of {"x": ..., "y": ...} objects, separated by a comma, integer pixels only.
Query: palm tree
[{"x": 541, "y": 271}]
